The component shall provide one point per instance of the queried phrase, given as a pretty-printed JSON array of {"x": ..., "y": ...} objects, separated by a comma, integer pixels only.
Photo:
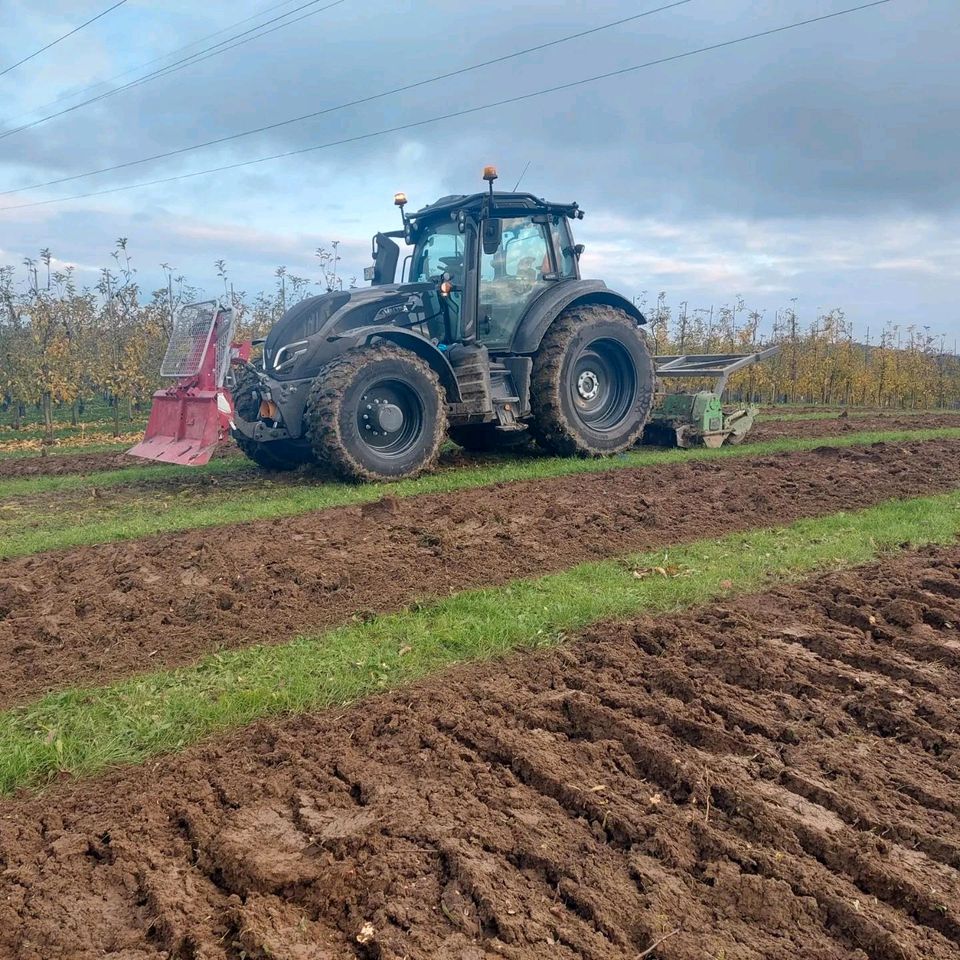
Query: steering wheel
[{"x": 451, "y": 264}]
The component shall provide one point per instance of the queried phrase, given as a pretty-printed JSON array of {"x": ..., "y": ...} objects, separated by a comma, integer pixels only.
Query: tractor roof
[{"x": 503, "y": 204}]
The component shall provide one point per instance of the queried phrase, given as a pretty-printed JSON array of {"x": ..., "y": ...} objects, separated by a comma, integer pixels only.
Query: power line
[
  {"x": 458, "y": 113},
  {"x": 215, "y": 50},
  {"x": 147, "y": 63},
  {"x": 53, "y": 43},
  {"x": 350, "y": 103},
  {"x": 222, "y": 47}
]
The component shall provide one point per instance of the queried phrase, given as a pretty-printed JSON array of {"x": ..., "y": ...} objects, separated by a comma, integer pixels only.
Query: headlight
[{"x": 287, "y": 354}]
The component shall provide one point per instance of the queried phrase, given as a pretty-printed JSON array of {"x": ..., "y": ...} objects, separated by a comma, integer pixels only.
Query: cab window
[
  {"x": 511, "y": 277},
  {"x": 439, "y": 250},
  {"x": 563, "y": 244}
]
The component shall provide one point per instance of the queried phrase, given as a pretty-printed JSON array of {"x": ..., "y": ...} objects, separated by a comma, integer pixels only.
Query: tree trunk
[
  {"x": 116, "y": 416},
  {"x": 48, "y": 415},
  {"x": 74, "y": 416}
]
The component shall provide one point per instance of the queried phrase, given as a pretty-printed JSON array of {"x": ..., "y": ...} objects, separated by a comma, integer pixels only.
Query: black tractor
[{"x": 491, "y": 336}]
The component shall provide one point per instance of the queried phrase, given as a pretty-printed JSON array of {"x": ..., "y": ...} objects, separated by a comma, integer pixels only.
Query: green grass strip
[
  {"x": 101, "y": 479},
  {"x": 522, "y": 466},
  {"x": 261, "y": 502},
  {"x": 83, "y": 731}
]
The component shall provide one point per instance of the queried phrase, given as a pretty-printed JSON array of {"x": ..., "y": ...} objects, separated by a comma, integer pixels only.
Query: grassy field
[
  {"x": 82, "y": 731},
  {"x": 98, "y": 422},
  {"x": 787, "y": 415},
  {"x": 96, "y": 410}
]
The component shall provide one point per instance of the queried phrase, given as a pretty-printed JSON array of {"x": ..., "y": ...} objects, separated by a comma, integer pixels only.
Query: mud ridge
[
  {"x": 94, "y": 614},
  {"x": 687, "y": 780},
  {"x": 839, "y": 425}
]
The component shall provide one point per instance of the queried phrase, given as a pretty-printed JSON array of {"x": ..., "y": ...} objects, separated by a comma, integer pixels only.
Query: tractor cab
[{"x": 489, "y": 255}]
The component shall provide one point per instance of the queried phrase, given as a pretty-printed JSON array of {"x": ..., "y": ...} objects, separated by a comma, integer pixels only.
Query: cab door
[
  {"x": 512, "y": 277},
  {"x": 441, "y": 251}
]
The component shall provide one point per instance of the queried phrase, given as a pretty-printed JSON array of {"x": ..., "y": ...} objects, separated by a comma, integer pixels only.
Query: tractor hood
[{"x": 299, "y": 341}]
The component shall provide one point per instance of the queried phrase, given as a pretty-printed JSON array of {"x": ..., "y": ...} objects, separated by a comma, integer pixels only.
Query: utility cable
[
  {"x": 53, "y": 43},
  {"x": 350, "y": 103},
  {"x": 459, "y": 113},
  {"x": 140, "y": 66},
  {"x": 215, "y": 50}
]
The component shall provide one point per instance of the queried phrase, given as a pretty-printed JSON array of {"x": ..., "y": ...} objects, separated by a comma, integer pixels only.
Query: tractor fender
[
  {"x": 555, "y": 299},
  {"x": 423, "y": 348}
]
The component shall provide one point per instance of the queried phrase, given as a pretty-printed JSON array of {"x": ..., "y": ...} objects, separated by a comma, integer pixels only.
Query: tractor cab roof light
[
  {"x": 490, "y": 174},
  {"x": 400, "y": 200}
]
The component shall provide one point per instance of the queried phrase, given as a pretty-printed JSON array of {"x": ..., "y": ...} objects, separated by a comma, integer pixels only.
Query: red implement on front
[
  {"x": 185, "y": 427},
  {"x": 189, "y": 420}
]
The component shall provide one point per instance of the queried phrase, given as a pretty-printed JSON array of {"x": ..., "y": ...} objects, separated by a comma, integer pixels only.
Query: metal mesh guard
[
  {"x": 191, "y": 336},
  {"x": 224, "y": 342}
]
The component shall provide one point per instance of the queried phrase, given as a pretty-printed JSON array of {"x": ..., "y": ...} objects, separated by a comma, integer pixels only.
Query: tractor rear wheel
[
  {"x": 593, "y": 383},
  {"x": 376, "y": 413},
  {"x": 272, "y": 454}
]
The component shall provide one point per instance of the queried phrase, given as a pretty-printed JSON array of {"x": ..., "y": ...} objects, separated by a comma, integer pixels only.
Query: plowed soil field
[
  {"x": 97, "y": 613},
  {"x": 839, "y": 425},
  {"x": 767, "y": 780}
]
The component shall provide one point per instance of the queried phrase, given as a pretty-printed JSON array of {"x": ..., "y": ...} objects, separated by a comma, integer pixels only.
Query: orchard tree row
[
  {"x": 820, "y": 362},
  {"x": 63, "y": 345}
]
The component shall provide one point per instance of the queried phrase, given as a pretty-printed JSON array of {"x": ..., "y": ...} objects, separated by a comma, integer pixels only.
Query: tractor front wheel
[
  {"x": 593, "y": 383},
  {"x": 376, "y": 413}
]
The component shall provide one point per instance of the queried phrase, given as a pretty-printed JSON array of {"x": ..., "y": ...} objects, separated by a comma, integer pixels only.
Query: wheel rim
[
  {"x": 390, "y": 417},
  {"x": 603, "y": 384}
]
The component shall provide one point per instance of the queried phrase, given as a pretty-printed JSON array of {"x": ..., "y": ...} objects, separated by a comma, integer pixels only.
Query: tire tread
[
  {"x": 325, "y": 403},
  {"x": 550, "y": 426}
]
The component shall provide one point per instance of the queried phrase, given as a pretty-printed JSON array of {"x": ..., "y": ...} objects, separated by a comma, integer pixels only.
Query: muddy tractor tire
[
  {"x": 273, "y": 454},
  {"x": 593, "y": 383},
  {"x": 376, "y": 413},
  {"x": 485, "y": 438}
]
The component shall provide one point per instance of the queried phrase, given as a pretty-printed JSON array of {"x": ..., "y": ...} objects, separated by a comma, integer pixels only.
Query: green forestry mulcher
[
  {"x": 699, "y": 419},
  {"x": 492, "y": 337}
]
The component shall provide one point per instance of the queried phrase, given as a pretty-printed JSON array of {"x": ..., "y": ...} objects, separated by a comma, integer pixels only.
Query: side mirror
[
  {"x": 385, "y": 256},
  {"x": 578, "y": 250},
  {"x": 492, "y": 232}
]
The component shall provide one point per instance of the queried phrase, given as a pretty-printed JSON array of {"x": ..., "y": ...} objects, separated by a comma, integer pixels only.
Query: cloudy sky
[{"x": 819, "y": 163}]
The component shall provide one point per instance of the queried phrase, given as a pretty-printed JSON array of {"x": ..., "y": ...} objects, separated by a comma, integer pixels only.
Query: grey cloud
[{"x": 855, "y": 120}]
